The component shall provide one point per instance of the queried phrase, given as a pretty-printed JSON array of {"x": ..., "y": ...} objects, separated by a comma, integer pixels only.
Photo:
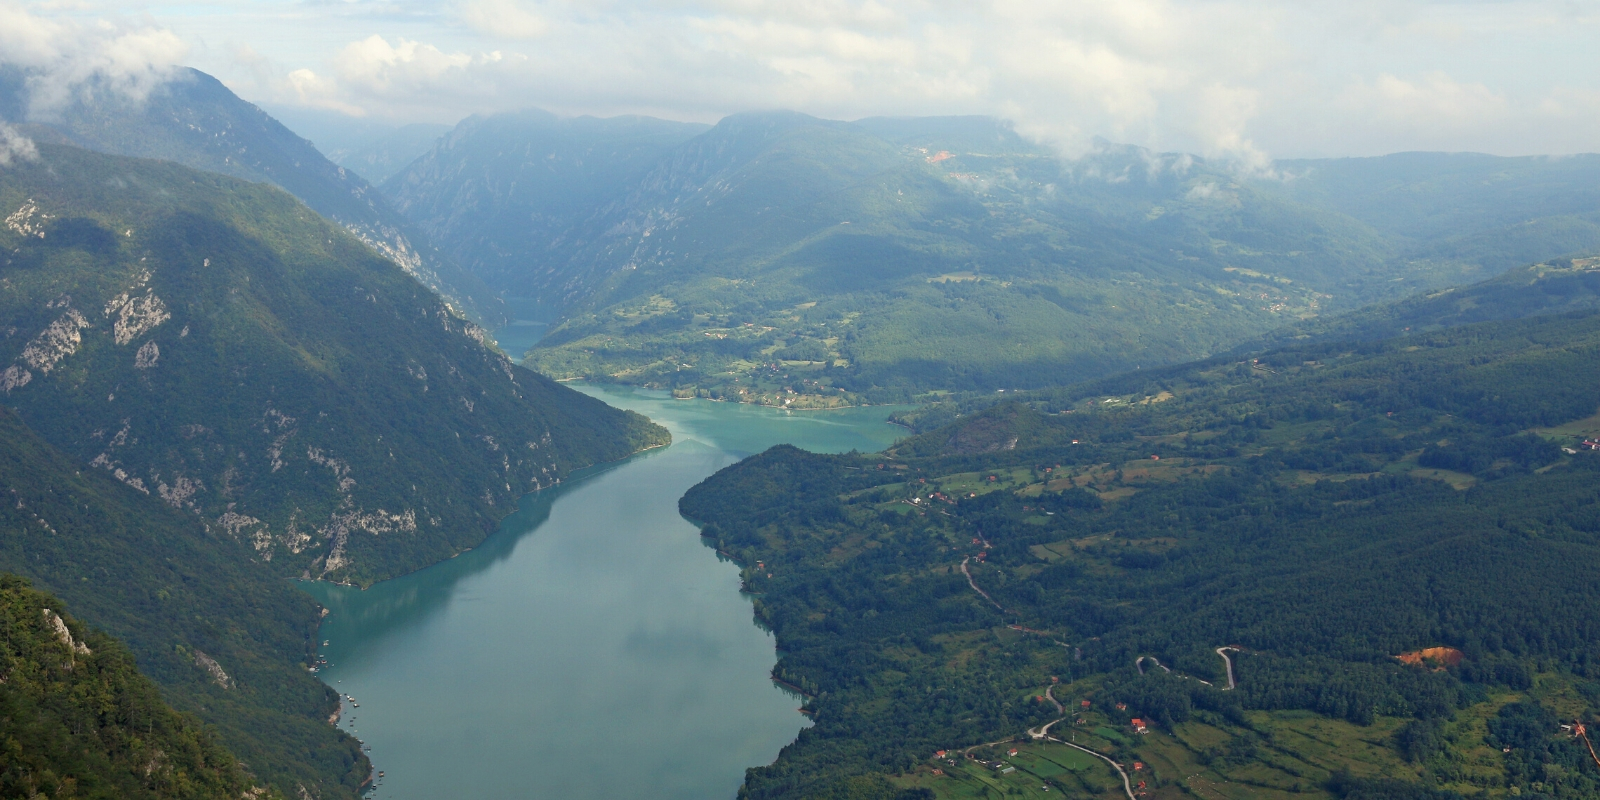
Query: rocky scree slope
[{"x": 216, "y": 345}]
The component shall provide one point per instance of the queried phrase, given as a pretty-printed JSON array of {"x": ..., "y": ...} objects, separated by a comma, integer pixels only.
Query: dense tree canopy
[{"x": 1322, "y": 510}]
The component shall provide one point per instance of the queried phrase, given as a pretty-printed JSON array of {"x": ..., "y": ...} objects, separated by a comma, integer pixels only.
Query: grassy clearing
[
  {"x": 1304, "y": 477},
  {"x": 1460, "y": 481},
  {"x": 1586, "y": 428},
  {"x": 962, "y": 484},
  {"x": 1036, "y": 770}
]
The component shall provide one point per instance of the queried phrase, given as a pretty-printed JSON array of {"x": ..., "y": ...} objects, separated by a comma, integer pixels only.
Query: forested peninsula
[{"x": 1392, "y": 543}]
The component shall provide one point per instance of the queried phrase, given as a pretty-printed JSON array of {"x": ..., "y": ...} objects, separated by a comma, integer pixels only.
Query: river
[{"x": 593, "y": 647}]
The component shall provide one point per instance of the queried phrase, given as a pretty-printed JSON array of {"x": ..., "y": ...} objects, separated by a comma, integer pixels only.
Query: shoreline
[
  {"x": 557, "y": 483},
  {"x": 573, "y": 479},
  {"x": 739, "y": 402},
  {"x": 323, "y": 612}
]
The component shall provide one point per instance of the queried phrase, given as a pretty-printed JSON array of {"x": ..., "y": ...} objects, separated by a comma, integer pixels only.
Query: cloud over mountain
[
  {"x": 68, "y": 56},
  {"x": 1246, "y": 79}
]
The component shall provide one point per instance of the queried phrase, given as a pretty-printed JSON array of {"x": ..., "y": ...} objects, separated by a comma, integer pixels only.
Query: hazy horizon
[{"x": 1250, "y": 81}]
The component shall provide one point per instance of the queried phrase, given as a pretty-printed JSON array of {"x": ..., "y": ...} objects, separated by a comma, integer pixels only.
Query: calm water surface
[
  {"x": 529, "y": 320},
  {"x": 593, "y": 647}
]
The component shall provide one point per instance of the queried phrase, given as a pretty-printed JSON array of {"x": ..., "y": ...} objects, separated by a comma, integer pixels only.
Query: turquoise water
[
  {"x": 593, "y": 647},
  {"x": 529, "y": 321}
]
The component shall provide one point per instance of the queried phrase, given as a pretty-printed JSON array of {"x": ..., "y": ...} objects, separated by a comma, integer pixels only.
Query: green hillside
[
  {"x": 78, "y": 720},
  {"x": 865, "y": 267},
  {"x": 1567, "y": 285},
  {"x": 216, "y": 345},
  {"x": 196, "y": 121},
  {"x": 1555, "y": 286},
  {"x": 1491, "y": 211},
  {"x": 784, "y": 259},
  {"x": 1322, "y": 508},
  {"x": 225, "y": 640}
]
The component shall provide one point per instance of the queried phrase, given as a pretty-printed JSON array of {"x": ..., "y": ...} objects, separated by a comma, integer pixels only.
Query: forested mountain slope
[
  {"x": 1314, "y": 513},
  {"x": 194, "y": 120},
  {"x": 871, "y": 262},
  {"x": 218, "y": 346},
  {"x": 78, "y": 720},
  {"x": 1568, "y": 285},
  {"x": 1555, "y": 286},
  {"x": 781, "y": 258},
  {"x": 505, "y": 192},
  {"x": 225, "y": 640},
  {"x": 1490, "y": 211}
]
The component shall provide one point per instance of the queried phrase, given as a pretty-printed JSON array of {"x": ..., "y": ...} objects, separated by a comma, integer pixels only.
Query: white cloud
[
  {"x": 314, "y": 91},
  {"x": 1242, "y": 79},
  {"x": 373, "y": 75},
  {"x": 1434, "y": 99},
  {"x": 504, "y": 18},
  {"x": 69, "y": 57},
  {"x": 14, "y": 146}
]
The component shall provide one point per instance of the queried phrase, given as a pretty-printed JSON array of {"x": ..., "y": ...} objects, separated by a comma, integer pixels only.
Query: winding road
[
  {"x": 1223, "y": 651},
  {"x": 1043, "y": 731},
  {"x": 1138, "y": 664},
  {"x": 1127, "y": 786},
  {"x": 975, "y": 588}
]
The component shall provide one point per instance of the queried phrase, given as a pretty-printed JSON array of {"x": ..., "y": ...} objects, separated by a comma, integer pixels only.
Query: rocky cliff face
[
  {"x": 226, "y": 640},
  {"x": 215, "y": 345}
]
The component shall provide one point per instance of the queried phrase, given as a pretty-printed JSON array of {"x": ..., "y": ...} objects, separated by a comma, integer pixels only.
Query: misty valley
[{"x": 781, "y": 457}]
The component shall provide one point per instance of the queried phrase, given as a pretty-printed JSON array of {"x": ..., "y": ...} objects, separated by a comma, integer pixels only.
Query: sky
[{"x": 1247, "y": 80}]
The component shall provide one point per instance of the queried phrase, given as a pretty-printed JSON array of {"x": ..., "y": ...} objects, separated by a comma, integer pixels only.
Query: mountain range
[
  {"x": 782, "y": 258},
  {"x": 1297, "y": 494}
]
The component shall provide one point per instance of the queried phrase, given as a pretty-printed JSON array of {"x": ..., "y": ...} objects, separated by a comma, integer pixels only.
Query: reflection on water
[
  {"x": 401, "y": 602},
  {"x": 593, "y": 647}
]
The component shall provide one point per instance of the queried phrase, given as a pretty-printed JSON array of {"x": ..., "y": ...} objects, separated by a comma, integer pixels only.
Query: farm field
[{"x": 1273, "y": 756}]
